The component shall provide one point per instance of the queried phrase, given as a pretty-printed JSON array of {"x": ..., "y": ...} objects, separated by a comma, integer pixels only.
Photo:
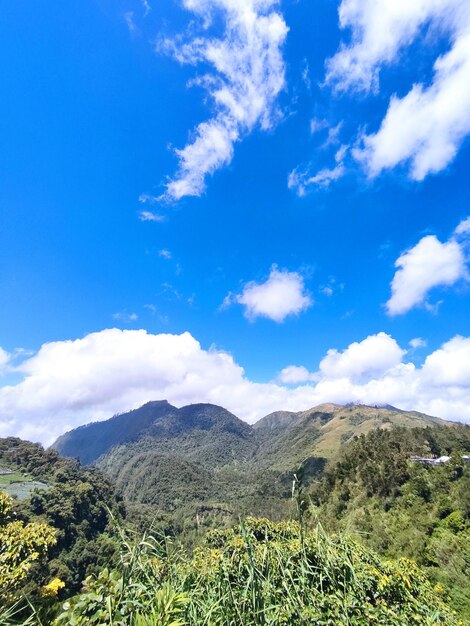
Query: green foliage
[
  {"x": 260, "y": 573},
  {"x": 403, "y": 508},
  {"x": 21, "y": 545},
  {"x": 76, "y": 505},
  {"x": 176, "y": 459}
]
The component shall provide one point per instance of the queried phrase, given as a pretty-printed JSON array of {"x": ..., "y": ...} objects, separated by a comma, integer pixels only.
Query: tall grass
[{"x": 259, "y": 574}]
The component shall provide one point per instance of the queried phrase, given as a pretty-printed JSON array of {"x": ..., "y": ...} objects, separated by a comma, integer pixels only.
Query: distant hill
[
  {"x": 290, "y": 438},
  {"x": 203, "y": 454}
]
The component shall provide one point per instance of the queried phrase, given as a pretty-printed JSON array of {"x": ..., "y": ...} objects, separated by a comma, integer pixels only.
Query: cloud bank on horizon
[{"x": 70, "y": 383}]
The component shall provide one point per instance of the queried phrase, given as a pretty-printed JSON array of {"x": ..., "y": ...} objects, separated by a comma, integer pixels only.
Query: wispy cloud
[
  {"x": 424, "y": 129},
  {"x": 318, "y": 124},
  {"x": 150, "y": 216},
  {"x": 165, "y": 254},
  {"x": 246, "y": 78},
  {"x": 131, "y": 25},
  {"x": 146, "y": 6},
  {"x": 302, "y": 180},
  {"x": 126, "y": 318},
  {"x": 5, "y": 358},
  {"x": 331, "y": 287}
]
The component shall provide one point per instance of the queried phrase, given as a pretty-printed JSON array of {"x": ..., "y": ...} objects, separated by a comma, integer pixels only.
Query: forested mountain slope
[
  {"x": 76, "y": 504},
  {"x": 403, "y": 508},
  {"x": 89, "y": 442},
  {"x": 202, "y": 454},
  {"x": 290, "y": 438}
]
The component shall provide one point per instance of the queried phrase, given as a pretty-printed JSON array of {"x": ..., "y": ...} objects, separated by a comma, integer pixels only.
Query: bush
[{"x": 260, "y": 573}]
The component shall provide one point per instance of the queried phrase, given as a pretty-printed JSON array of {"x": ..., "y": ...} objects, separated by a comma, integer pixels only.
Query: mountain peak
[{"x": 156, "y": 419}]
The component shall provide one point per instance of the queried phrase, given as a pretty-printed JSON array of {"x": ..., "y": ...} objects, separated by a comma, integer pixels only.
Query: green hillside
[
  {"x": 290, "y": 438},
  {"x": 403, "y": 508},
  {"x": 89, "y": 442},
  {"x": 179, "y": 460},
  {"x": 393, "y": 546},
  {"x": 74, "y": 501}
]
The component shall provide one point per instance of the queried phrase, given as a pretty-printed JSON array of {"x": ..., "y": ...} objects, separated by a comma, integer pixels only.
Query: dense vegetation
[
  {"x": 258, "y": 574},
  {"x": 75, "y": 508},
  {"x": 21, "y": 545},
  {"x": 390, "y": 523},
  {"x": 402, "y": 508},
  {"x": 179, "y": 460}
]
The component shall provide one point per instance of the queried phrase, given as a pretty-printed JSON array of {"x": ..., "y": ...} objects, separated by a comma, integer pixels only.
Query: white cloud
[
  {"x": 463, "y": 228},
  {"x": 165, "y": 254},
  {"x": 295, "y": 374},
  {"x": 131, "y": 25},
  {"x": 301, "y": 180},
  {"x": 306, "y": 75},
  {"x": 150, "y": 216},
  {"x": 5, "y": 358},
  {"x": 247, "y": 76},
  {"x": 281, "y": 295},
  {"x": 317, "y": 125},
  {"x": 69, "y": 383},
  {"x": 450, "y": 365},
  {"x": 127, "y": 318},
  {"x": 427, "y": 265},
  {"x": 417, "y": 342},
  {"x": 146, "y": 6},
  {"x": 370, "y": 358},
  {"x": 426, "y": 127}
]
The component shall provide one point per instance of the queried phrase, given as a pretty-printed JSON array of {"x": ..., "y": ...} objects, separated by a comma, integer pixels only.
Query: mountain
[
  {"x": 168, "y": 457},
  {"x": 203, "y": 454},
  {"x": 89, "y": 442},
  {"x": 199, "y": 430},
  {"x": 290, "y": 438}
]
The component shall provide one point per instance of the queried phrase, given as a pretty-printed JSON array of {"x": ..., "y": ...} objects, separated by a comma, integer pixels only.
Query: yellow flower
[{"x": 52, "y": 589}]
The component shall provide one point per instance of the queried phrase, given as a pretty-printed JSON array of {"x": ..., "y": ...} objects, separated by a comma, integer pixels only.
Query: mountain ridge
[
  {"x": 159, "y": 420},
  {"x": 206, "y": 454}
]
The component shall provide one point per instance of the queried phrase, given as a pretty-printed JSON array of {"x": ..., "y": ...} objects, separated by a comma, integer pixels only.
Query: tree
[{"x": 21, "y": 545}]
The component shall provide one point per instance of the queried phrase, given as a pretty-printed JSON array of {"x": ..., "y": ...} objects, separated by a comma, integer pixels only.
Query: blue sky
[{"x": 274, "y": 194}]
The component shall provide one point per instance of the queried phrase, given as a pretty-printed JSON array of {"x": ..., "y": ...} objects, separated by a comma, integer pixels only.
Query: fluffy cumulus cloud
[
  {"x": 295, "y": 374},
  {"x": 370, "y": 358},
  {"x": 425, "y": 128},
  {"x": 246, "y": 76},
  {"x": 69, "y": 383},
  {"x": 280, "y": 295},
  {"x": 429, "y": 264}
]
